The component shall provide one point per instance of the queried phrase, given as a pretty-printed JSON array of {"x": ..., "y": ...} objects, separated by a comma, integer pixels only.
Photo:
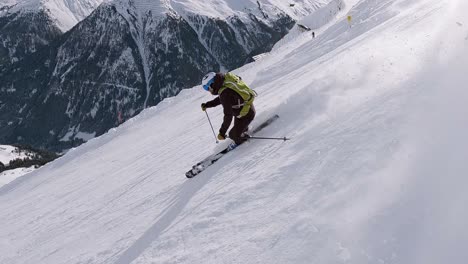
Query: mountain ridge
[
  {"x": 375, "y": 171},
  {"x": 118, "y": 61},
  {"x": 64, "y": 13}
]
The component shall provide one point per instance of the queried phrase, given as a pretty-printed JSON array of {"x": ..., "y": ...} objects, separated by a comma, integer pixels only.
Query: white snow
[
  {"x": 375, "y": 171},
  {"x": 139, "y": 13},
  {"x": 65, "y": 13},
  {"x": 7, "y": 154},
  {"x": 68, "y": 136},
  {"x": 220, "y": 8},
  {"x": 8, "y": 3},
  {"x": 85, "y": 136},
  {"x": 11, "y": 175},
  {"x": 156, "y": 7},
  {"x": 323, "y": 15}
]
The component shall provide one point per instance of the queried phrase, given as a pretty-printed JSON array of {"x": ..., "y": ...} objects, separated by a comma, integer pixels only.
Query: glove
[
  {"x": 221, "y": 137},
  {"x": 203, "y": 107}
]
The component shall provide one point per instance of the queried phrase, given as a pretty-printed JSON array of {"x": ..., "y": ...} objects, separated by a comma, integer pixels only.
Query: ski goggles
[{"x": 207, "y": 85}]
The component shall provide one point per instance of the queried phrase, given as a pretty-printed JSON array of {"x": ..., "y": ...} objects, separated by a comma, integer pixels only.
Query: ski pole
[
  {"x": 272, "y": 138},
  {"x": 214, "y": 134}
]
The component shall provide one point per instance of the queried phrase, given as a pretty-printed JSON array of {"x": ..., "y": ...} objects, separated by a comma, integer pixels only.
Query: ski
[{"x": 202, "y": 165}]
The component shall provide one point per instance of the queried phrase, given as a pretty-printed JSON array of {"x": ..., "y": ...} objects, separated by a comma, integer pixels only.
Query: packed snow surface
[
  {"x": 11, "y": 175},
  {"x": 375, "y": 171}
]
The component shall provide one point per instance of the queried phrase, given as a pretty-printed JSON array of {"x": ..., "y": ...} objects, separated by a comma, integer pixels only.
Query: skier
[{"x": 237, "y": 101}]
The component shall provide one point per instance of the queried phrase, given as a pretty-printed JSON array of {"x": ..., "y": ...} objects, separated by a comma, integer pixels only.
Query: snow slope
[
  {"x": 66, "y": 13},
  {"x": 7, "y": 154},
  {"x": 11, "y": 175},
  {"x": 375, "y": 172}
]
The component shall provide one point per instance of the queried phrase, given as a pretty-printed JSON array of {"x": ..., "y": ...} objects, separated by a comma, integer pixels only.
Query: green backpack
[{"x": 235, "y": 83}]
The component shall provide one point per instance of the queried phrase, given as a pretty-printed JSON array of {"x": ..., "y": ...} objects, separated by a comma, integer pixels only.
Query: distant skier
[{"x": 237, "y": 100}]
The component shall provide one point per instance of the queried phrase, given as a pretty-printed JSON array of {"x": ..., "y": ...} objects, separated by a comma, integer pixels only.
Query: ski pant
[{"x": 241, "y": 125}]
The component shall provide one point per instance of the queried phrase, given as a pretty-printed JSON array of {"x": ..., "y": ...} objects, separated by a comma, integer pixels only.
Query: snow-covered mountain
[
  {"x": 130, "y": 54},
  {"x": 7, "y": 154},
  {"x": 64, "y": 14},
  {"x": 26, "y": 26},
  {"x": 16, "y": 161},
  {"x": 375, "y": 171}
]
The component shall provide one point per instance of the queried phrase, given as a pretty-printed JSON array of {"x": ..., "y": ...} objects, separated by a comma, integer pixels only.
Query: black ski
[{"x": 202, "y": 165}]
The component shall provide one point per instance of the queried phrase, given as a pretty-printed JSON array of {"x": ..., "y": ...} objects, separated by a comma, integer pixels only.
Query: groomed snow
[
  {"x": 11, "y": 175},
  {"x": 375, "y": 171}
]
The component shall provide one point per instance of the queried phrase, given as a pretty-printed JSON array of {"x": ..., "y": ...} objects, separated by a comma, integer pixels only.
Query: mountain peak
[
  {"x": 143, "y": 6},
  {"x": 220, "y": 9},
  {"x": 65, "y": 13}
]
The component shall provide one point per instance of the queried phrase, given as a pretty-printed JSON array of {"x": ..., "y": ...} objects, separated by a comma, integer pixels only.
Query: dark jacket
[{"x": 229, "y": 99}]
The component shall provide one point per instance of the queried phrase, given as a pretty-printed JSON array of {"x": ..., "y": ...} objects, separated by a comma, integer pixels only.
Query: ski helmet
[{"x": 207, "y": 80}]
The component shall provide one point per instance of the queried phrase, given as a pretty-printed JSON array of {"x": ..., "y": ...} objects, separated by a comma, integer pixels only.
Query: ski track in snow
[{"x": 374, "y": 173}]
